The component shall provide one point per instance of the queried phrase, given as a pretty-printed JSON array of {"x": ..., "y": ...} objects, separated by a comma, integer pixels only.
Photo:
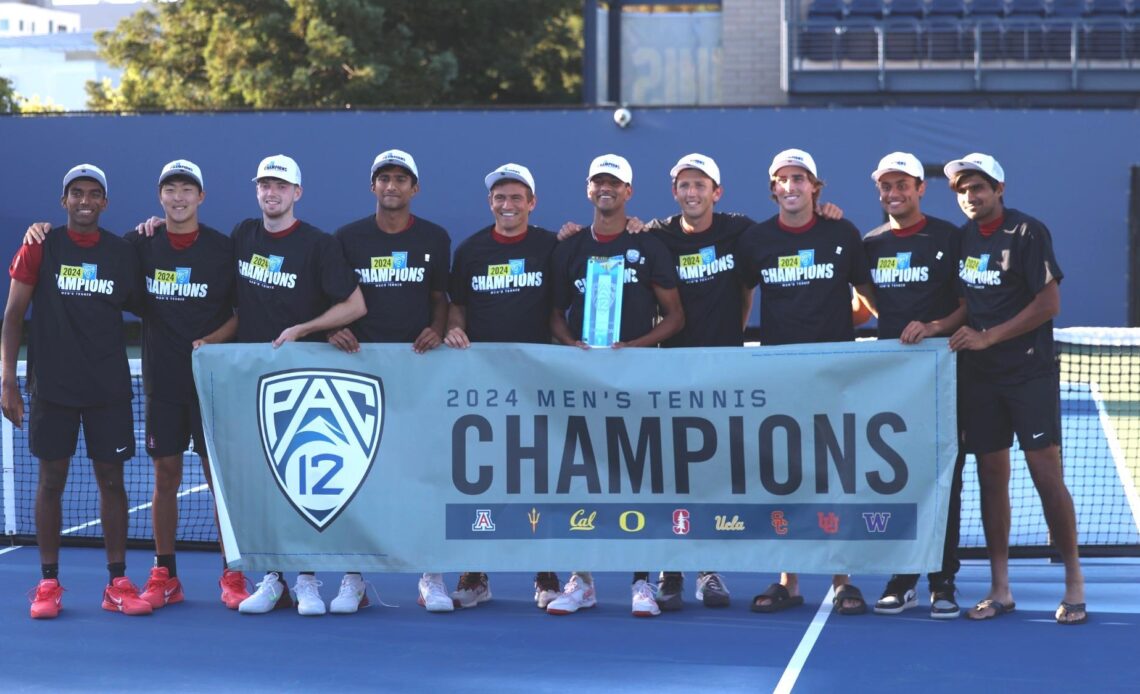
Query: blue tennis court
[{"x": 506, "y": 645}]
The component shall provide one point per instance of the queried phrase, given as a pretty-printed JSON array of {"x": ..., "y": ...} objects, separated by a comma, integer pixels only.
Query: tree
[
  {"x": 8, "y": 100},
  {"x": 217, "y": 54}
]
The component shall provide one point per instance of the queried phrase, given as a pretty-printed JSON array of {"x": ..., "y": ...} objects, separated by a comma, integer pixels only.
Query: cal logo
[{"x": 320, "y": 430}]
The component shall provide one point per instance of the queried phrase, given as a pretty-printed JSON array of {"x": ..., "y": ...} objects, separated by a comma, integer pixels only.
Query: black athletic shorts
[
  {"x": 990, "y": 414},
  {"x": 108, "y": 430},
  {"x": 170, "y": 427}
]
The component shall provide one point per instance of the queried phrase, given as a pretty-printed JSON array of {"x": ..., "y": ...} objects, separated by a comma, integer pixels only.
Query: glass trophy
[{"x": 601, "y": 324}]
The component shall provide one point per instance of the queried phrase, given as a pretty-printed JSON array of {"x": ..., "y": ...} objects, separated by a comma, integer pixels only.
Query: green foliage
[
  {"x": 218, "y": 54},
  {"x": 8, "y": 100}
]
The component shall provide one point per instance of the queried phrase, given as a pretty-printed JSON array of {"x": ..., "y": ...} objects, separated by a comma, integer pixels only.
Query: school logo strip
[
  {"x": 175, "y": 283},
  {"x": 629, "y": 521},
  {"x": 320, "y": 430},
  {"x": 82, "y": 280},
  {"x": 266, "y": 271}
]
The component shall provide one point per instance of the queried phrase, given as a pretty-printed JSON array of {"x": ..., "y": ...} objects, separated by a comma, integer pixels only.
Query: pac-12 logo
[{"x": 320, "y": 429}]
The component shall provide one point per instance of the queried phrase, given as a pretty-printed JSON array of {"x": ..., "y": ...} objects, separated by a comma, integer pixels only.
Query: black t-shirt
[
  {"x": 709, "y": 282},
  {"x": 189, "y": 294},
  {"x": 397, "y": 273},
  {"x": 76, "y": 349},
  {"x": 505, "y": 287},
  {"x": 1000, "y": 275},
  {"x": 286, "y": 278},
  {"x": 804, "y": 279},
  {"x": 915, "y": 276},
  {"x": 647, "y": 263}
]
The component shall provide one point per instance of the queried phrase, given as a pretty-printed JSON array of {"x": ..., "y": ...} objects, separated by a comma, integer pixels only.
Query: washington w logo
[{"x": 320, "y": 429}]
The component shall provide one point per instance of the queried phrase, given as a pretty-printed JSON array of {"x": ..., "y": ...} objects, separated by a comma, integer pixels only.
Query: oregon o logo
[{"x": 638, "y": 519}]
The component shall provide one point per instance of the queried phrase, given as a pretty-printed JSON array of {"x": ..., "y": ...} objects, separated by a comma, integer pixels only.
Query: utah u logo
[{"x": 320, "y": 429}]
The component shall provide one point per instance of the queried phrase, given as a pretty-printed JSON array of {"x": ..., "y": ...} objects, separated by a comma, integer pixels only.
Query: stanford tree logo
[{"x": 320, "y": 429}]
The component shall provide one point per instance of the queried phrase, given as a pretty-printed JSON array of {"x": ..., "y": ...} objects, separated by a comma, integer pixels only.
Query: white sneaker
[
  {"x": 433, "y": 596},
  {"x": 575, "y": 596},
  {"x": 309, "y": 602},
  {"x": 473, "y": 589},
  {"x": 352, "y": 595},
  {"x": 644, "y": 600},
  {"x": 270, "y": 594}
]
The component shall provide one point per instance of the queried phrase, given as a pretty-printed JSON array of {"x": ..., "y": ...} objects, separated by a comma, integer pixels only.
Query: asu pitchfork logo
[{"x": 320, "y": 429}]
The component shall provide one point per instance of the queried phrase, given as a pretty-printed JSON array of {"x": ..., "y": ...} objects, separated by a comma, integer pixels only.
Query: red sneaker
[
  {"x": 234, "y": 588},
  {"x": 123, "y": 596},
  {"x": 161, "y": 589},
  {"x": 47, "y": 600}
]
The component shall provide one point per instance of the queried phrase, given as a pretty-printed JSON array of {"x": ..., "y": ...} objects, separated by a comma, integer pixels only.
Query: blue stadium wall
[{"x": 1069, "y": 168}]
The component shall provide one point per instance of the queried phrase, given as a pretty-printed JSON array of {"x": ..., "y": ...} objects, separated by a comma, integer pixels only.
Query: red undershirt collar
[
  {"x": 797, "y": 230},
  {"x": 83, "y": 240},
  {"x": 911, "y": 230},
  {"x": 989, "y": 228},
  {"x": 508, "y": 240},
  {"x": 284, "y": 232}
]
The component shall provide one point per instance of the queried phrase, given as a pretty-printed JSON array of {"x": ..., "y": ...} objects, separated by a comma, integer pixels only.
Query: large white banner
[{"x": 815, "y": 458}]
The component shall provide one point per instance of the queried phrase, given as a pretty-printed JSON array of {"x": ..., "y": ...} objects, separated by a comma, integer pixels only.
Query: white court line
[
  {"x": 134, "y": 509},
  {"x": 9, "y": 549},
  {"x": 1126, "y": 480},
  {"x": 796, "y": 664}
]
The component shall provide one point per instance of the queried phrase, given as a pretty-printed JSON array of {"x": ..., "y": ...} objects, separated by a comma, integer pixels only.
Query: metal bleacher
[{"x": 1083, "y": 46}]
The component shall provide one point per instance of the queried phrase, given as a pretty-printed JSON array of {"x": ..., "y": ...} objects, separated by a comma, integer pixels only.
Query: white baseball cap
[
  {"x": 700, "y": 162},
  {"x": 85, "y": 171},
  {"x": 613, "y": 165},
  {"x": 976, "y": 162},
  {"x": 793, "y": 157},
  {"x": 902, "y": 162},
  {"x": 182, "y": 167},
  {"x": 279, "y": 166},
  {"x": 510, "y": 172},
  {"x": 395, "y": 157}
]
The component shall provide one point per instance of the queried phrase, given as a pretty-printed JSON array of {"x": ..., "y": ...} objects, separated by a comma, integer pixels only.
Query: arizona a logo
[{"x": 320, "y": 429}]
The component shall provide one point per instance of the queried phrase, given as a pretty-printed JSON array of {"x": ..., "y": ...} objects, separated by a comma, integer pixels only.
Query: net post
[{"x": 8, "y": 472}]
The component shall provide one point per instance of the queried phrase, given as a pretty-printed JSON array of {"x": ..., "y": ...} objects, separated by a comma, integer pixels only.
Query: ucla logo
[{"x": 320, "y": 429}]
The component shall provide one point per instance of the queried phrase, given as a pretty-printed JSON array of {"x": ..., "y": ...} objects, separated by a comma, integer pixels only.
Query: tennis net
[{"x": 1100, "y": 407}]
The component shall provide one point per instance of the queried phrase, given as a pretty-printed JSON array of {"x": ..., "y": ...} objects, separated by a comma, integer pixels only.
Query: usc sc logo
[{"x": 632, "y": 521}]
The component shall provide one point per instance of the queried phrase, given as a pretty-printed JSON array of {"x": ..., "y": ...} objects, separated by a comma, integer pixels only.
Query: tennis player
[
  {"x": 80, "y": 280},
  {"x": 812, "y": 304},
  {"x": 649, "y": 289},
  {"x": 313, "y": 291},
  {"x": 401, "y": 262},
  {"x": 914, "y": 267},
  {"x": 1009, "y": 379},
  {"x": 490, "y": 305}
]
